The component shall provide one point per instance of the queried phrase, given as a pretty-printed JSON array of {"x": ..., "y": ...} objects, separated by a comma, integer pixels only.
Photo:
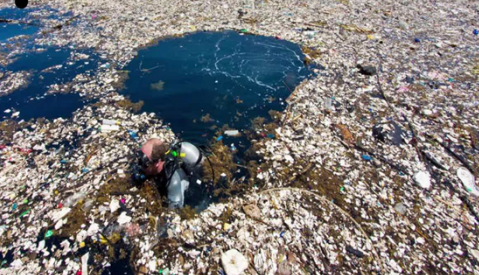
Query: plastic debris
[
  {"x": 133, "y": 134},
  {"x": 425, "y": 85},
  {"x": 468, "y": 181},
  {"x": 123, "y": 218},
  {"x": 252, "y": 210},
  {"x": 234, "y": 263},
  {"x": 114, "y": 205},
  {"x": 106, "y": 128},
  {"x": 84, "y": 263},
  {"x": 367, "y": 70},
  {"x": 423, "y": 179},
  {"x": 354, "y": 251},
  {"x": 366, "y": 157},
  {"x": 48, "y": 234},
  {"x": 400, "y": 208},
  {"x": 232, "y": 133}
]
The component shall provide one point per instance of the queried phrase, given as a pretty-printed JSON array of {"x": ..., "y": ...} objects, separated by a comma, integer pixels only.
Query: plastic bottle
[
  {"x": 468, "y": 181},
  {"x": 111, "y": 122},
  {"x": 328, "y": 104},
  {"x": 73, "y": 199},
  {"x": 109, "y": 128}
]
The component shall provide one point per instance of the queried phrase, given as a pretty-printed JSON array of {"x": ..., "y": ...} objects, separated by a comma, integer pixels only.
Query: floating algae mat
[{"x": 208, "y": 79}]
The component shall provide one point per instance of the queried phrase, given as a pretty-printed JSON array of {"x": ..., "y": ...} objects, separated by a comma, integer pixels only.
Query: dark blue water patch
[
  {"x": 49, "y": 107},
  {"x": 39, "y": 60},
  {"x": 8, "y": 31},
  {"x": 7, "y": 259},
  {"x": 232, "y": 78},
  {"x": 120, "y": 267},
  {"x": 31, "y": 100},
  {"x": 15, "y": 13},
  {"x": 27, "y": 22},
  {"x": 31, "y": 13}
]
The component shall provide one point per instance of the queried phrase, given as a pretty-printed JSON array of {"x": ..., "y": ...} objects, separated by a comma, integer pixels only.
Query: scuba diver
[{"x": 174, "y": 166}]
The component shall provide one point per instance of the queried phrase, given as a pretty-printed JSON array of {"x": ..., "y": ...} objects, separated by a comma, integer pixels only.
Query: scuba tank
[
  {"x": 191, "y": 157},
  {"x": 177, "y": 186},
  {"x": 183, "y": 161}
]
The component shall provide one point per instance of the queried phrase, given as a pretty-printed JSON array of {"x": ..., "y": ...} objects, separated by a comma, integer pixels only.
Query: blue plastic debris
[
  {"x": 133, "y": 134},
  {"x": 270, "y": 135},
  {"x": 84, "y": 170},
  {"x": 63, "y": 161},
  {"x": 367, "y": 158},
  {"x": 14, "y": 207},
  {"x": 282, "y": 234},
  {"x": 475, "y": 32},
  {"x": 417, "y": 40},
  {"x": 219, "y": 138}
]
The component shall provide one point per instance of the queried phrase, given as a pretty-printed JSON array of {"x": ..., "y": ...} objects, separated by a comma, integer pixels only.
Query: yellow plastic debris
[
  {"x": 103, "y": 240},
  {"x": 226, "y": 226}
]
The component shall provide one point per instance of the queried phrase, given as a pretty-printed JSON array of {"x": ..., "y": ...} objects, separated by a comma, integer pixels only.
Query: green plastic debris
[
  {"x": 243, "y": 31},
  {"x": 25, "y": 201},
  {"x": 3, "y": 262},
  {"x": 341, "y": 189},
  {"x": 24, "y": 213},
  {"x": 48, "y": 234}
]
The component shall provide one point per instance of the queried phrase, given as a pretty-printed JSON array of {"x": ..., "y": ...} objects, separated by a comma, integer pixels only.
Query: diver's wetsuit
[{"x": 160, "y": 181}]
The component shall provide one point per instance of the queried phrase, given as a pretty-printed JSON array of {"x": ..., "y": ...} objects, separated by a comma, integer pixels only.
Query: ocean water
[
  {"x": 31, "y": 100},
  {"x": 8, "y": 31},
  {"x": 222, "y": 77},
  {"x": 233, "y": 78}
]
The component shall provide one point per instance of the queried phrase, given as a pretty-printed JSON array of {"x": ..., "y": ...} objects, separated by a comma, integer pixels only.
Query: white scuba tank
[
  {"x": 192, "y": 160},
  {"x": 176, "y": 189},
  {"x": 191, "y": 155}
]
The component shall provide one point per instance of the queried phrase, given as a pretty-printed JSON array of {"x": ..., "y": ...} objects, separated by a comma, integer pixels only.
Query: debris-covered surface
[{"x": 376, "y": 157}]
